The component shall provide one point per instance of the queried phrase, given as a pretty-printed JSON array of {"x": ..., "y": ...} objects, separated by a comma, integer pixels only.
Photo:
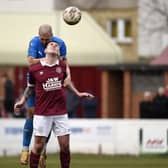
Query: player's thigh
[
  {"x": 29, "y": 113},
  {"x": 31, "y": 100},
  {"x": 61, "y": 125},
  {"x": 42, "y": 125},
  {"x": 39, "y": 139}
]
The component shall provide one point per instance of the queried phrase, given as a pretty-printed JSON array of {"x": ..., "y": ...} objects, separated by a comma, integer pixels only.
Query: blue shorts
[{"x": 31, "y": 101}]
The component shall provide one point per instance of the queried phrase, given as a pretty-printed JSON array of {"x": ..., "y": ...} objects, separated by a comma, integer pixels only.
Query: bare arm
[
  {"x": 27, "y": 93},
  {"x": 32, "y": 60},
  {"x": 68, "y": 83},
  {"x": 68, "y": 72},
  {"x": 68, "y": 77},
  {"x": 67, "y": 80},
  {"x": 72, "y": 88}
]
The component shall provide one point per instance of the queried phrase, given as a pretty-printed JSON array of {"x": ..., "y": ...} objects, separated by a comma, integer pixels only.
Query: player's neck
[{"x": 49, "y": 59}]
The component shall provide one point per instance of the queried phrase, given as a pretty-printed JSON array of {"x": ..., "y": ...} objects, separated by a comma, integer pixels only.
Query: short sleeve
[
  {"x": 32, "y": 50},
  {"x": 63, "y": 50}
]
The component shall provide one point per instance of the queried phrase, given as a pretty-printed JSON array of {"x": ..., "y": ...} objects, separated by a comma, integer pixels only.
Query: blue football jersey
[{"x": 36, "y": 48}]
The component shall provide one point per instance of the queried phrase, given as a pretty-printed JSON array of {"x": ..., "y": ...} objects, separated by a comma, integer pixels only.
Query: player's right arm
[
  {"x": 32, "y": 53},
  {"x": 27, "y": 93},
  {"x": 32, "y": 60}
]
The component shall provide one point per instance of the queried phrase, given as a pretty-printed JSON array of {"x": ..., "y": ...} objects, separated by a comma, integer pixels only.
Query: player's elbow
[{"x": 30, "y": 60}]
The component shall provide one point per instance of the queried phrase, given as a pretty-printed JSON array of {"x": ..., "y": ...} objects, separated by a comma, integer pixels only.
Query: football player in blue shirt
[{"x": 35, "y": 53}]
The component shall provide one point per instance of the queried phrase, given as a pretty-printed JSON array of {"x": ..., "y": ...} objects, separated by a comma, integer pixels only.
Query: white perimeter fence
[{"x": 107, "y": 136}]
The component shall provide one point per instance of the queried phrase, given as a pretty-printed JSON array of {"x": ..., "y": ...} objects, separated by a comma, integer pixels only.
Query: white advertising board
[
  {"x": 107, "y": 136},
  {"x": 154, "y": 140}
]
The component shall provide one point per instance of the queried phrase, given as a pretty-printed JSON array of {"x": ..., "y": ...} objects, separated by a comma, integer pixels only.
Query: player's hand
[
  {"x": 67, "y": 81},
  {"x": 86, "y": 95},
  {"x": 18, "y": 105}
]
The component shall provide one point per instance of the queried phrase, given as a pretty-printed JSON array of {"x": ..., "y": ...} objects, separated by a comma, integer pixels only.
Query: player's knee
[{"x": 38, "y": 148}]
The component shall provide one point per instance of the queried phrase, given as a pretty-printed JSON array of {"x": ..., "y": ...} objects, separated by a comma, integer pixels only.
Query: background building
[
  {"x": 111, "y": 33},
  {"x": 88, "y": 45}
]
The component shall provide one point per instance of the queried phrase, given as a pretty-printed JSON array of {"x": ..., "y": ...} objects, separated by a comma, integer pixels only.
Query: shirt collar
[{"x": 43, "y": 63}]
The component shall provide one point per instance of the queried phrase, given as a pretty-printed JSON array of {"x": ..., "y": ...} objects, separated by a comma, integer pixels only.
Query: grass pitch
[{"x": 96, "y": 161}]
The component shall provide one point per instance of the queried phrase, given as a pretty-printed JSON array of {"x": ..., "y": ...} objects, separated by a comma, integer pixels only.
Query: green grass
[{"x": 96, "y": 161}]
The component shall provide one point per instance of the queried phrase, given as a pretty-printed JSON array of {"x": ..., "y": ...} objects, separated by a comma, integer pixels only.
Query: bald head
[
  {"x": 147, "y": 96},
  {"x": 45, "y": 29},
  {"x": 45, "y": 33}
]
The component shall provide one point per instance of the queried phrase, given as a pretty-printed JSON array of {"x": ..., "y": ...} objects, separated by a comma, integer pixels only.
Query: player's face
[
  {"x": 45, "y": 38},
  {"x": 52, "y": 48}
]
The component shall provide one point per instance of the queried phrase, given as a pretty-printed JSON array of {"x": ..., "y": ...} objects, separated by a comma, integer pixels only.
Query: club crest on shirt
[{"x": 58, "y": 70}]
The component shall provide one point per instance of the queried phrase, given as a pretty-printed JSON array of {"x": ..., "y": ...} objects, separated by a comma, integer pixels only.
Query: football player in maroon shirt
[{"x": 47, "y": 77}]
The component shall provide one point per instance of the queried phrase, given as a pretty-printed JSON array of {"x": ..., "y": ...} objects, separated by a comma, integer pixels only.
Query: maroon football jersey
[{"x": 50, "y": 98}]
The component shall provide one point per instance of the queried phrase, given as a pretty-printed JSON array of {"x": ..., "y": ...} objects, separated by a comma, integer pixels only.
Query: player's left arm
[
  {"x": 27, "y": 93},
  {"x": 63, "y": 52},
  {"x": 32, "y": 53},
  {"x": 73, "y": 89},
  {"x": 67, "y": 80}
]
